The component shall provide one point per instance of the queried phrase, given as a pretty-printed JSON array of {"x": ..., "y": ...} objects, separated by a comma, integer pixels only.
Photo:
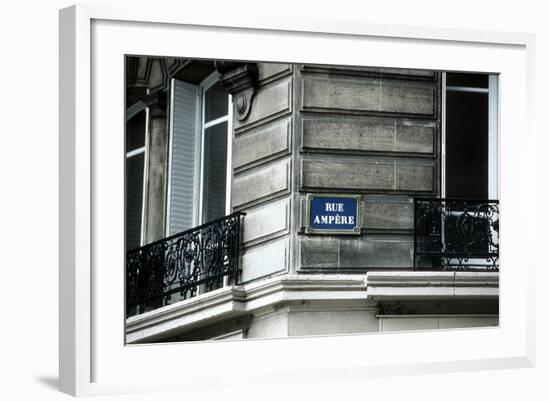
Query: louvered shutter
[{"x": 183, "y": 157}]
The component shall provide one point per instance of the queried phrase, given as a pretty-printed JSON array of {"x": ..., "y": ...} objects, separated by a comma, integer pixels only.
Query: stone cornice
[
  {"x": 233, "y": 302},
  {"x": 395, "y": 286}
]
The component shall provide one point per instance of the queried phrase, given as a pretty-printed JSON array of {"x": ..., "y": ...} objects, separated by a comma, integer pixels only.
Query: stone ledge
[
  {"x": 232, "y": 302},
  {"x": 395, "y": 286},
  {"x": 237, "y": 301}
]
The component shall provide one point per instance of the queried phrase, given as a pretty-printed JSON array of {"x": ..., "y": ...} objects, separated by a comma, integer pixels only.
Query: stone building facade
[{"x": 293, "y": 131}]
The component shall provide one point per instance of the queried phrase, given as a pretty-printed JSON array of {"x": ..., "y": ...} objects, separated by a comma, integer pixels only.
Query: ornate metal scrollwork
[
  {"x": 178, "y": 267},
  {"x": 456, "y": 234}
]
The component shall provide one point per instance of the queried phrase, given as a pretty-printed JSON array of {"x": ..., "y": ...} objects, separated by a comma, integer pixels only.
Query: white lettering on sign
[
  {"x": 337, "y": 219},
  {"x": 334, "y": 207}
]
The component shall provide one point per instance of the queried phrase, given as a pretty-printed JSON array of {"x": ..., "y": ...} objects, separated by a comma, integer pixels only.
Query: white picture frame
[{"x": 93, "y": 358}]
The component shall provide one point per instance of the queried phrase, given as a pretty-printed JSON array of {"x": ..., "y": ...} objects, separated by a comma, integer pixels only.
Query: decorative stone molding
[
  {"x": 157, "y": 102},
  {"x": 240, "y": 80},
  {"x": 399, "y": 286},
  {"x": 237, "y": 301},
  {"x": 153, "y": 73},
  {"x": 343, "y": 292},
  {"x": 224, "y": 67}
]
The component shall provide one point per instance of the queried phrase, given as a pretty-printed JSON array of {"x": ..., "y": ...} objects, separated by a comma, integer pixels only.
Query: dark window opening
[
  {"x": 135, "y": 167},
  {"x": 466, "y": 138}
]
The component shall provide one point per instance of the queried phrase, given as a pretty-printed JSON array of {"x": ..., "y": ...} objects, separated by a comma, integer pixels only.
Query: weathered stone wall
[
  {"x": 368, "y": 131},
  {"x": 262, "y": 171},
  {"x": 325, "y": 129}
]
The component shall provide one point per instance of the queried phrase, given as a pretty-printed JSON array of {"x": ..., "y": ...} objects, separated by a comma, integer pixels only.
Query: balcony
[
  {"x": 183, "y": 265},
  {"x": 456, "y": 234}
]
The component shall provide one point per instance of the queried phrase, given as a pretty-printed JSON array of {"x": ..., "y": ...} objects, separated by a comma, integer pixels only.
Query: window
[
  {"x": 199, "y": 162},
  {"x": 136, "y": 146},
  {"x": 470, "y": 136},
  {"x": 463, "y": 227}
]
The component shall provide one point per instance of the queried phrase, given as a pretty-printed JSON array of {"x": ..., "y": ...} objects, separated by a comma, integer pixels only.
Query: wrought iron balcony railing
[
  {"x": 181, "y": 266},
  {"x": 456, "y": 234}
]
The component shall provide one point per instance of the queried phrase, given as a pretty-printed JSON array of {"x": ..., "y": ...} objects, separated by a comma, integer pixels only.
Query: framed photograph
[{"x": 334, "y": 190}]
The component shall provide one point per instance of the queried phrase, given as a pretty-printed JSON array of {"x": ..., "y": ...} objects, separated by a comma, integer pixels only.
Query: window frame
[
  {"x": 200, "y": 127},
  {"x": 493, "y": 156},
  {"x": 204, "y": 86},
  {"x": 131, "y": 112}
]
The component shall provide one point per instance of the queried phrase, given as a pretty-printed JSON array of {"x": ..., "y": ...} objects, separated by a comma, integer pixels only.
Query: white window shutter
[{"x": 183, "y": 156}]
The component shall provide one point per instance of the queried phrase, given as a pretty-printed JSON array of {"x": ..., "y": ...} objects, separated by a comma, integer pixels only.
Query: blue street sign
[{"x": 333, "y": 214}]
